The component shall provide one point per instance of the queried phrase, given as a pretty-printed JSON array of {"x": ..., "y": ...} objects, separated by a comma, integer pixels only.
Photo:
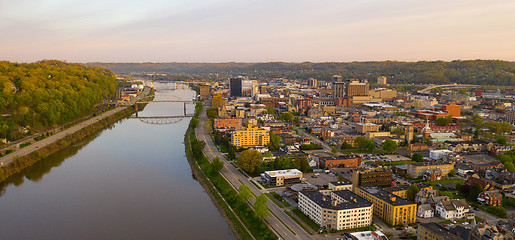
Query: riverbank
[{"x": 240, "y": 216}]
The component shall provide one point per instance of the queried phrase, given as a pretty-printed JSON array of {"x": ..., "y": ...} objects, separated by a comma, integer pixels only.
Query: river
[{"x": 131, "y": 181}]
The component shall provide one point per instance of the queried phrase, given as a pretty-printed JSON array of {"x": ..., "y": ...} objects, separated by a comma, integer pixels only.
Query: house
[
  {"x": 434, "y": 174},
  {"x": 424, "y": 194},
  {"x": 453, "y": 209},
  {"x": 485, "y": 186},
  {"x": 425, "y": 211},
  {"x": 492, "y": 198}
]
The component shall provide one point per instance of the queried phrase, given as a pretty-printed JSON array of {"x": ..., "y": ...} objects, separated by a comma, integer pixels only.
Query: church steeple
[{"x": 426, "y": 131}]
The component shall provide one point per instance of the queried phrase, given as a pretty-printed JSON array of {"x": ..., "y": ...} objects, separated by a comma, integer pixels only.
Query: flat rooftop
[
  {"x": 385, "y": 196},
  {"x": 283, "y": 173},
  {"x": 350, "y": 200}
]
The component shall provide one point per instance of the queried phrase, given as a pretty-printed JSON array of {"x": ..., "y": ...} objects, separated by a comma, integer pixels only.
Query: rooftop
[
  {"x": 385, "y": 196},
  {"x": 283, "y": 173},
  {"x": 350, "y": 200},
  {"x": 439, "y": 230},
  {"x": 341, "y": 183}
]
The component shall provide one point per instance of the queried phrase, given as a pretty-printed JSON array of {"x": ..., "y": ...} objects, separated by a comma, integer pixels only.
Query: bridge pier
[
  {"x": 136, "y": 109},
  {"x": 184, "y": 108}
]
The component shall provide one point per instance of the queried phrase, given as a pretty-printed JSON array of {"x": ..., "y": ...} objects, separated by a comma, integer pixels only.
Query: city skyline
[{"x": 256, "y": 31}]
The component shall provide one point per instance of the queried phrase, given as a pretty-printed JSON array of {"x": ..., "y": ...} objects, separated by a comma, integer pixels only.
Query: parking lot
[{"x": 320, "y": 179}]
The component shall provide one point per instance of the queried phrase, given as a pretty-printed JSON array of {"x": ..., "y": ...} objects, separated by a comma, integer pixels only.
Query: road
[
  {"x": 314, "y": 139},
  {"x": 5, "y": 160},
  {"x": 236, "y": 178}
]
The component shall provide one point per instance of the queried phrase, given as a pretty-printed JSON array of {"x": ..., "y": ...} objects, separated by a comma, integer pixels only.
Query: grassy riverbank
[{"x": 240, "y": 215}]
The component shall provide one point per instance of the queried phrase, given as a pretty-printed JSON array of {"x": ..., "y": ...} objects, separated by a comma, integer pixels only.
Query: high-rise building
[
  {"x": 339, "y": 89},
  {"x": 510, "y": 116},
  {"x": 381, "y": 80},
  {"x": 357, "y": 88},
  {"x": 312, "y": 82},
  {"x": 262, "y": 89},
  {"x": 236, "y": 86},
  {"x": 204, "y": 92}
]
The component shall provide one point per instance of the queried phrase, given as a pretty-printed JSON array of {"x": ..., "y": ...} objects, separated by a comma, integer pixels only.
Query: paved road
[
  {"x": 42, "y": 143},
  {"x": 236, "y": 179},
  {"x": 314, "y": 139}
]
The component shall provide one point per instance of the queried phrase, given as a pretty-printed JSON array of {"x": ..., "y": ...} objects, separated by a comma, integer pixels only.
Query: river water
[{"x": 131, "y": 181}]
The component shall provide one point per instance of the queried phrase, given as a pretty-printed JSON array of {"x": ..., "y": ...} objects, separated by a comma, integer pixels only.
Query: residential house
[
  {"x": 492, "y": 198},
  {"x": 453, "y": 209}
]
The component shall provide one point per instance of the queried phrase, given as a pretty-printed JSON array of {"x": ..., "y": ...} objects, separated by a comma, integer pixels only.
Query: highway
[
  {"x": 236, "y": 179},
  {"x": 5, "y": 160}
]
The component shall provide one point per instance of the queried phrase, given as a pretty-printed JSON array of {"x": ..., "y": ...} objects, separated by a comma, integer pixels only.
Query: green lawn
[
  {"x": 306, "y": 219},
  {"x": 445, "y": 181}
]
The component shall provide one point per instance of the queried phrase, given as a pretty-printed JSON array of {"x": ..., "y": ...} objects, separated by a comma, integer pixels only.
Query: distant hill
[{"x": 487, "y": 72}]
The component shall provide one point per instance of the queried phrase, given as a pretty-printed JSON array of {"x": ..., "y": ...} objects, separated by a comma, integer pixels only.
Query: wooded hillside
[{"x": 48, "y": 93}]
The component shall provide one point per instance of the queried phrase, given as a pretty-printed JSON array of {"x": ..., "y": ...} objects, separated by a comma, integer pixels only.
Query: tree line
[
  {"x": 40, "y": 95},
  {"x": 480, "y": 72}
]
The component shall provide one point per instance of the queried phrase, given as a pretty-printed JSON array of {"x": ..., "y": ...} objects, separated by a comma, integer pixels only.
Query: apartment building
[
  {"x": 367, "y": 127},
  {"x": 380, "y": 177},
  {"x": 341, "y": 210},
  {"x": 433, "y": 231},
  {"x": 390, "y": 208},
  {"x": 204, "y": 92},
  {"x": 416, "y": 170},
  {"x": 222, "y": 124},
  {"x": 250, "y": 136},
  {"x": 340, "y": 162}
]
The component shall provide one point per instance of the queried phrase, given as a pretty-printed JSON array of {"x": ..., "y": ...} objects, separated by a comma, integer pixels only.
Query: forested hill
[
  {"x": 492, "y": 72},
  {"x": 48, "y": 93}
]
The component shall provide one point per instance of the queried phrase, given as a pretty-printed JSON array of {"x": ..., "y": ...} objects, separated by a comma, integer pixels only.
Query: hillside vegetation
[
  {"x": 44, "y": 94},
  {"x": 491, "y": 72}
]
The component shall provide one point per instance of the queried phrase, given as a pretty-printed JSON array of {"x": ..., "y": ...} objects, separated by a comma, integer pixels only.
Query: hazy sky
[{"x": 256, "y": 31}]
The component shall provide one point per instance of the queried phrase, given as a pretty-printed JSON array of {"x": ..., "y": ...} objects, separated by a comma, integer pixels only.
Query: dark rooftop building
[{"x": 435, "y": 232}]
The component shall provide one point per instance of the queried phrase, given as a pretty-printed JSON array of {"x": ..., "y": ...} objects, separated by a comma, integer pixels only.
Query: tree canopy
[
  {"x": 49, "y": 93},
  {"x": 389, "y": 145},
  {"x": 261, "y": 206},
  {"x": 364, "y": 143},
  {"x": 250, "y": 161}
]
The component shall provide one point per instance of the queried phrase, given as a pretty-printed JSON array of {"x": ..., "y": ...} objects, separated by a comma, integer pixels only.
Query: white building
[
  {"x": 425, "y": 211},
  {"x": 439, "y": 154},
  {"x": 341, "y": 210},
  {"x": 453, "y": 209}
]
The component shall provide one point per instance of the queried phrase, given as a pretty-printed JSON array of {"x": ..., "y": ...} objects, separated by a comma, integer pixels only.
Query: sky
[{"x": 256, "y": 31}]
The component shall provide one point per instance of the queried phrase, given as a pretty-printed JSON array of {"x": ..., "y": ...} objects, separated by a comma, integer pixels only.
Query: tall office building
[
  {"x": 510, "y": 116},
  {"x": 339, "y": 89},
  {"x": 312, "y": 82},
  {"x": 235, "y": 86},
  {"x": 381, "y": 80},
  {"x": 357, "y": 88}
]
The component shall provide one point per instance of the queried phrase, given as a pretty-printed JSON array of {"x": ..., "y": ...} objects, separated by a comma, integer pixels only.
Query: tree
[
  {"x": 250, "y": 160},
  {"x": 217, "y": 165},
  {"x": 274, "y": 141},
  {"x": 452, "y": 173},
  {"x": 231, "y": 153},
  {"x": 474, "y": 192},
  {"x": 245, "y": 192},
  {"x": 270, "y": 110},
  {"x": 389, "y": 145},
  {"x": 501, "y": 140},
  {"x": 445, "y": 121},
  {"x": 334, "y": 150},
  {"x": 212, "y": 113},
  {"x": 340, "y": 177},
  {"x": 417, "y": 157},
  {"x": 346, "y": 145},
  {"x": 261, "y": 206},
  {"x": 304, "y": 164},
  {"x": 399, "y": 131},
  {"x": 412, "y": 192},
  {"x": 288, "y": 117},
  {"x": 363, "y": 143},
  {"x": 509, "y": 166}
]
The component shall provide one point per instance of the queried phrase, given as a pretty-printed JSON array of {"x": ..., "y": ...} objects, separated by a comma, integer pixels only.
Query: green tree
[
  {"x": 412, "y": 192},
  {"x": 334, "y": 150},
  {"x": 288, "y": 117},
  {"x": 274, "y": 141},
  {"x": 452, "y": 173},
  {"x": 212, "y": 113},
  {"x": 417, "y": 157},
  {"x": 270, "y": 110},
  {"x": 363, "y": 143},
  {"x": 340, "y": 177},
  {"x": 231, "y": 152},
  {"x": 389, "y": 145},
  {"x": 445, "y": 121},
  {"x": 304, "y": 164},
  {"x": 261, "y": 206},
  {"x": 501, "y": 140},
  {"x": 250, "y": 161},
  {"x": 509, "y": 166},
  {"x": 217, "y": 164},
  {"x": 474, "y": 192},
  {"x": 399, "y": 131},
  {"x": 346, "y": 145},
  {"x": 245, "y": 192}
]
